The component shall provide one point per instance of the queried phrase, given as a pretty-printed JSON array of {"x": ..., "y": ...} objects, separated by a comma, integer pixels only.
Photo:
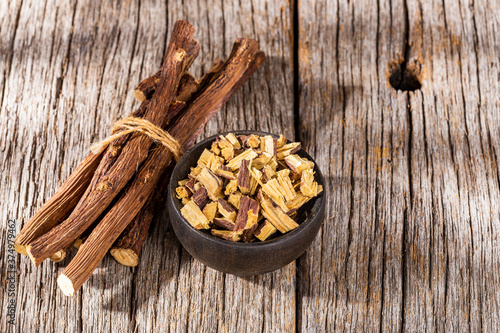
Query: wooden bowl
[{"x": 244, "y": 259}]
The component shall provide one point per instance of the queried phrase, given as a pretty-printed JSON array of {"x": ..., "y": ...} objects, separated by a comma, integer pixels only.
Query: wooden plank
[
  {"x": 486, "y": 261},
  {"x": 9, "y": 23},
  {"x": 33, "y": 141},
  {"x": 69, "y": 83},
  {"x": 185, "y": 295},
  {"x": 463, "y": 278},
  {"x": 410, "y": 240},
  {"x": 350, "y": 280},
  {"x": 73, "y": 68}
]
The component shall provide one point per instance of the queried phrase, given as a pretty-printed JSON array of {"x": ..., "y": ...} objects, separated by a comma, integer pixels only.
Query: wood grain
[
  {"x": 411, "y": 238},
  {"x": 109, "y": 48},
  {"x": 410, "y": 241}
]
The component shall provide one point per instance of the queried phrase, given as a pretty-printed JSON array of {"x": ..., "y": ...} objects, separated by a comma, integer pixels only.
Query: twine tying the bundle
[{"x": 132, "y": 124}]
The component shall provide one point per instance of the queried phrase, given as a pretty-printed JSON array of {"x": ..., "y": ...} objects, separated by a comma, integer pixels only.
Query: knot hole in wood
[{"x": 405, "y": 76}]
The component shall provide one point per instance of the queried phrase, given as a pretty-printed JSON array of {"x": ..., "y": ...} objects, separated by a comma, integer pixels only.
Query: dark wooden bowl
[{"x": 244, "y": 259}]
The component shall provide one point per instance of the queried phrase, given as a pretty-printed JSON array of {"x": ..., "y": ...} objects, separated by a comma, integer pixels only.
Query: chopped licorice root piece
[
  {"x": 247, "y": 214},
  {"x": 231, "y": 187},
  {"x": 195, "y": 171},
  {"x": 297, "y": 202},
  {"x": 244, "y": 177},
  {"x": 248, "y": 154},
  {"x": 233, "y": 140},
  {"x": 277, "y": 217},
  {"x": 226, "y": 210},
  {"x": 196, "y": 186},
  {"x": 247, "y": 234},
  {"x": 214, "y": 162},
  {"x": 226, "y": 234},
  {"x": 223, "y": 222},
  {"x": 288, "y": 149},
  {"x": 200, "y": 197},
  {"x": 215, "y": 148},
  {"x": 268, "y": 145},
  {"x": 253, "y": 141},
  {"x": 226, "y": 149},
  {"x": 268, "y": 172},
  {"x": 243, "y": 139},
  {"x": 205, "y": 158},
  {"x": 234, "y": 199},
  {"x": 273, "y": 163},
  {"x": 286, "y": 184},
  {"x": 227, "y": 153},
  {"x": 224, "y": 172},
  {"x": 273, "y": 189},
  {"x": 210, "y": 211},
  {"x": 211, "y": 182},
  {"x": 308, "y": 186},
  {"x": 246, "y": 188},
  {"x": 281, "y": 141},
  {"x": 223, "y": 142},
  {"x": 190, "y": 184},
  {"x": 298, "y": 164},
  {"x": 265, "y": 230},
  {"x": 254, "y": 182},
  {"x": 192, "y": 213},
  {"x": 262, "y": 160},
  {"x": 182, "y": 192}
]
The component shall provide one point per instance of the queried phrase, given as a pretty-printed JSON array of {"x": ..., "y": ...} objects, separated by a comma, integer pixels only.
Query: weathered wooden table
[{"x": 411, "y": 241}]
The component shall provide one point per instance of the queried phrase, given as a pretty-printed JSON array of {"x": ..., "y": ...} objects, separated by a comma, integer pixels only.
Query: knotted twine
[{"x": 132, "y": 124}]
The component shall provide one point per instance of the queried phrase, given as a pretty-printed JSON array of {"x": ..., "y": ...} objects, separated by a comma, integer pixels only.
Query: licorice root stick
[{"x": 97, "y": 199}]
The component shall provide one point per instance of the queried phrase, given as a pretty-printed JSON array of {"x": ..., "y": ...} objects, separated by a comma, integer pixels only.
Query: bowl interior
[{"x": 305, "y": 214}]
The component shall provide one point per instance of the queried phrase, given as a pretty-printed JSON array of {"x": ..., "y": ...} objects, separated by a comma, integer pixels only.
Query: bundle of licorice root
[{"x": 108, "y": 202}]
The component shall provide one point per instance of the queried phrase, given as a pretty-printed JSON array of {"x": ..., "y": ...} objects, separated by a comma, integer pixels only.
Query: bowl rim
[{"x": 275, "y": 241}]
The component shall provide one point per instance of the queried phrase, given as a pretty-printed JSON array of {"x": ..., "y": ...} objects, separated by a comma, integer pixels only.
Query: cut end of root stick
[
  {"x": 66, "y": 285},
  {"x": 58, "y": 256},
  {"x": 35, "y": 261},
  {"x": 139, "y": 95},
  {"x": 78, "y": 243},
  {"x": 180, "y": 55},
  {"x": 126, "y": 257},
  {"x": 20, "y": 249}
]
